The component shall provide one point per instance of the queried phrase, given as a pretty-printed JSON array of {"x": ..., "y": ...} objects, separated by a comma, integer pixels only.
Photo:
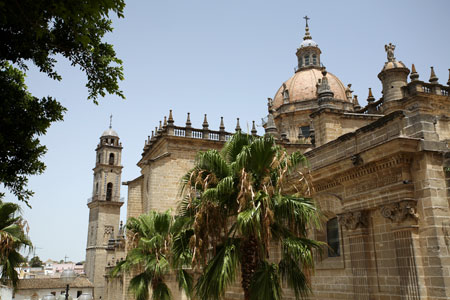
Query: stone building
[
  {"x": 37, "y": 288},
  {"x": 380, "y": 175}
]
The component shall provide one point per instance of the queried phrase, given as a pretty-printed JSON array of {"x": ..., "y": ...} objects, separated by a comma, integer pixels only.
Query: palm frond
[
  {"x": 248, "y": 221},
  {"x": 181, "y": 252},
  {"x": 161, "y": 292},
  {"x": 293, "y": 275},
  {"x": 266, "y": 283},
  {"x": 139, "y": 286},
  {"x": 220, "y": 272},
  {"x": 213, "y": 163},
  {"x": 234, "y": 146},
  {"x": 185, "y": 282},
  {"x": 298, "y": 213}
]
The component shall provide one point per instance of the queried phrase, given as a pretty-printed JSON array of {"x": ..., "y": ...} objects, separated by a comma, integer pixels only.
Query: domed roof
[
  {"x": 308, "y": 43},
  {"x": 393, "y": 65},
  {"x": 302, "y": 87},
  {"x": 110, "y": 132}
]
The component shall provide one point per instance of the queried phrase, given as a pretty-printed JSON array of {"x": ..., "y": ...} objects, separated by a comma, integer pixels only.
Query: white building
[{"x": 36, "y": 288}]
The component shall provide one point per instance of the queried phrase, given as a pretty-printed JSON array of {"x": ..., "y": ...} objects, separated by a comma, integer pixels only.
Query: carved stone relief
[
  {"x": 108, "y": 234},
  {"x": 446, "y": 232},
  {"x": 354, "y": 220},
  {"x": 400, "y": 211}
]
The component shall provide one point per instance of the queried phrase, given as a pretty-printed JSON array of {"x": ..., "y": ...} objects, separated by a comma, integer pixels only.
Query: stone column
[
  {"x": 357, "y": 229},
  {"x": 433, "y": 208},
  {"x": 404, "y": 217}
]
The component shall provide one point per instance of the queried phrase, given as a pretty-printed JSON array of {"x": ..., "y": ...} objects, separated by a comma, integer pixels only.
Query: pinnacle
[
  {"x": 222, "y": 126},
  {"x": 205, "y": 122},
  {"x": 188, "y": 120},
  {"x": 253, "y": 129},
  {"x": 433, "y": 77},
  {"x": 370, "y": 98},
  {"x": 238, "y": 127},
  {"x": 414, "y": 75}
]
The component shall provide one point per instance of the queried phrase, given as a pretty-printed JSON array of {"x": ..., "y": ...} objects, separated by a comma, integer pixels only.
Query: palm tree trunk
[{"x": 249, "y": 263}]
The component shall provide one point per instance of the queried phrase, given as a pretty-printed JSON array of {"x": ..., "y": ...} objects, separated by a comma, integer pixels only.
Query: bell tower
[{"x": 104, "y": 208}]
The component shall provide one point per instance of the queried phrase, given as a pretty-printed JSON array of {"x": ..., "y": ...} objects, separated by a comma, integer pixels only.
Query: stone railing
[
  {"x": 415, "y": 87},
  {"x": 103, "y": 198},
  {"x": 372, "y": 107},
  {"x": 167, "y": 128}
]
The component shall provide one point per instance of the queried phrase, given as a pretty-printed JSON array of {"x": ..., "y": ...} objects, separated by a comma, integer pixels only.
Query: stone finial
[
  {"x": 284, "y": 137},
  {"x": 153, "y": 136},
  {"x": 156, "y": 131},
  {"x": 188, "y": 120},
  {"x": 414, "y": 75},
  {"x": 448, "y": 82},
  {"x": 307, "y": 34},
  {"x": 370, "y": 97},
  {"x": 165, "y": 122},
  {"x": 269, "y": 103},
  {"x": 390, "y": 51},
  {"x": 270, "y": 126},
  {"x": 323, "y": 89},
  {"x": 356, "y": 103},
  {"x": 121, "y": 228},
  {"x": 170, "y": 121},
  {"x": 238, "y": 127},
  {"x": 222, "y": 126},
  {"x": 433, "y": 77},
  {"x": 253, "y": 129},
  {"x": 160, "y": 127},
  {"x": 205, "y": 123}
]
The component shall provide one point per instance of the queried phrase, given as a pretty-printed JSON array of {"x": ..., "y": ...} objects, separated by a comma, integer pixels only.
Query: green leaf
[{"x": 266, "y": 283}]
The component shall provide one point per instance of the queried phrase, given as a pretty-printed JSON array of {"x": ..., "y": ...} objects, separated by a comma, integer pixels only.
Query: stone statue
[
  {"x": 390, "y": 51},
  {"x": 348, "y": 92}
]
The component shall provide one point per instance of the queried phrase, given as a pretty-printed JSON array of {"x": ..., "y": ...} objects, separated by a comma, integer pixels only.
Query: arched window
[
  {"x": 99, "y": 158},
  {"x": 109, "y": 189},
  {"x": 96, "y": 188},
  {"x": 333, "y": 238},
  {"x": 306, "y": 60},
  {"x": 314, "y": 59},
  {"x": 111, "y": 158}
]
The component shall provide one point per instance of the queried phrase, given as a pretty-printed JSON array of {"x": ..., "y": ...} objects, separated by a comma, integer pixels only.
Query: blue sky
[{"x": 223, "y": 58}]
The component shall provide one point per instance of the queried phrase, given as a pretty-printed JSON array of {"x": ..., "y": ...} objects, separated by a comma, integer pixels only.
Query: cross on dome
[
  {"x": 307, "y": 35},
  {"x": 306, "y": 18}
]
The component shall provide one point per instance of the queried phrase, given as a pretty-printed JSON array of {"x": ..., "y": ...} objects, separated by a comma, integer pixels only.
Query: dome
[
  {"x": 302, "y": 87},
  {"x": 110, "y": 132},
  {"x": 308, "y": 43},
  {"x": 393, "y": 65}
]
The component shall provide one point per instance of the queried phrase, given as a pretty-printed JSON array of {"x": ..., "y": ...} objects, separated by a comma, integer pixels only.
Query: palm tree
[
  {"x": 13, "y": 239},
  {"x": 150, "y": 260},
  {"x": 240, "y": 211}
]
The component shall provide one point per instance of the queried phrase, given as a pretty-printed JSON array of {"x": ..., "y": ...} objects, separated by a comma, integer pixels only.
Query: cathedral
[{"x": 380, "y": 175}]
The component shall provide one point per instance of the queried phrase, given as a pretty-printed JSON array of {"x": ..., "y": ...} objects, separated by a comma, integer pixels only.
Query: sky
[{"x": 222, "y": 58}]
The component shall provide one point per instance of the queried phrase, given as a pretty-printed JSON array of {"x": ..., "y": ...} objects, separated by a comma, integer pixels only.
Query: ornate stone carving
[
  {"x": 446, "y": 232},
  {"x": 357, "y": 160},
  {"x": 109, "y": 230},
  {"x": 400, "y": 211},
  {"x": 353, "y": 220},
  {"x": 390, "y": 51}
]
